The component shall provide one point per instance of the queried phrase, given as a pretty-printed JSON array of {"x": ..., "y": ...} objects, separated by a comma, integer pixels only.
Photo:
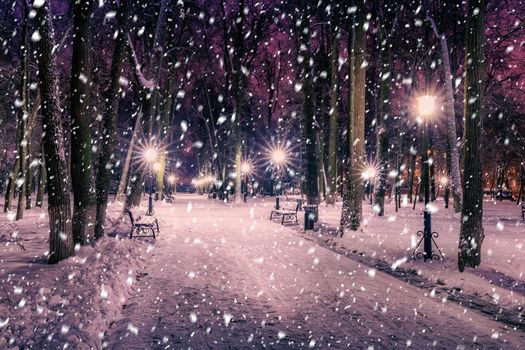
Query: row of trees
[{"x": 209, "y": 82}]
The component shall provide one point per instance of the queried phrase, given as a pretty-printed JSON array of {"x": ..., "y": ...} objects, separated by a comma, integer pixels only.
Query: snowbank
[{"x": 70, "y": 304}]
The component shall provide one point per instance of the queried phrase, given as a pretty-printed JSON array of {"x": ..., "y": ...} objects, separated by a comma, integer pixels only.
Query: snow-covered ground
[
  {"x": 224, "y": 276},
  {"x": 70, "y": 304},
  {"x": 392, "y": 238}
]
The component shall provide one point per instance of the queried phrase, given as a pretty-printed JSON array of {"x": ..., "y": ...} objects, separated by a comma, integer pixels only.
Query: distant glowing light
[
  {"x": 150, "y": 154},
  {"x": 246, "y": 168},
  {"x": 156, "y": 167},
  {"x": 426, "y": 105},
  {"x": 443, "y": 181},
  {"x": 203, "y": 181},
  {"x": 369, "y": 173},
  {"x": 171, "y": 179},
  {"x": 279, "y": 156}
]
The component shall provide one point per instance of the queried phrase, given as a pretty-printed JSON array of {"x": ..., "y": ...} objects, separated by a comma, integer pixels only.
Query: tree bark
[
  {"x": 105, "y": 163},
  {"x": 238, "y": 94},
  {"x": 59, "y": 205},
  {"x": 41, "y": 177},
  {"x": 412, "y": 173},
  {"x": 332, "y": 137},
  {"x": 123, "y": 183},
  {"x": 163, "y": 133},
  {"x": 29, "y": 172},
  {"x": 383, "y": 126},
  {"x": 23, "y": 138},
  {"x": 472, "y": 235},
  {"x": 149, "y": 91},
  {"x": 82, "y": 177},
  {"x": 347, "y": 211},
  {"x": 11, "y": 185},
  {"x": 450, "y": 114},
  {"x": 355, "y": 210},
  {"x": 310, "y": 157}
]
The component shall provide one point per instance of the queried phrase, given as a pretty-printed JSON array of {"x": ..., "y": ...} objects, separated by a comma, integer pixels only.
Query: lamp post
[
  {"x": 278, "y": 157},
  {"x": 171, "y": 182},
  {"x": 369, "y": 175},
  {"x": 150, "y": 156},
  {"x": 246, "y": 170},
  {"x": 426, "y": 107}
]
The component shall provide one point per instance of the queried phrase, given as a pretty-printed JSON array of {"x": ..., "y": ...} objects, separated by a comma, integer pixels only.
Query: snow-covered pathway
[{"x": 224, "y": 276}]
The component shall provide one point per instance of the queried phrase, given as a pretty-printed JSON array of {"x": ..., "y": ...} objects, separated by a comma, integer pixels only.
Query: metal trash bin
[{"x": 310, "y": 216}]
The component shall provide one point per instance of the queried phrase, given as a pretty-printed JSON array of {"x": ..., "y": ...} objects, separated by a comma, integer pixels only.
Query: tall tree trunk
[
  {"x": 358, "y": 122},
  {"x": 472, "y": 235},
  {"x": 412, "y": 173},
  {"x": 347, "y": 212},
  {"x": 123, "y": 183},
  {"x": 383, "y": 125},
  {"x": 105, "y": 163},
  {"x": 214, "y": 145},
  {"x": 59, "y": 204},
  {"x": 41, "y": 177},
  {"x": 23, "y": 118},
  {"x": 450, "y": 114},
  {"x": 310, "y": 164},
  {"x": 82, "y": 177},
  {"x": 332, "y": 137},
  {"x": 150, "y": 96},
  {"x": 238, "y": 94},
  {"x": 29, "y": 172},
  {"x": 164, "y": 125},
  {"x": 11, "y": 185}
]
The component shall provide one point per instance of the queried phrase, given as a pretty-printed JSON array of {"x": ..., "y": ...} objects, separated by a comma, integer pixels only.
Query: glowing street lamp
[
  {"x": 246, "y": 171},
  {"x": 171, "y": 182},
  {"x": 246, "y": 168},
  {"x": 151, "y": 155},
  {"x": 426, "y": 107},
  {"x": 369, "y": 174},
  {"x": 279, "y": 156}
]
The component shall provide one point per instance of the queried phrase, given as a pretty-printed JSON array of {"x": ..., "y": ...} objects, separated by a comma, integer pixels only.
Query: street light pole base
[{"x": 421, "y": 254}]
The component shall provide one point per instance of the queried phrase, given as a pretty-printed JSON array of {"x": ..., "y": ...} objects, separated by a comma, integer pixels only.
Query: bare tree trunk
[
  {"x": 450, "y": 113},
  {"x": 239, "y": 94},
  {"x": 412, "y": 174},
  {"x": 11, "y": 185},
  {"x": 105, "y": 164},
  {"x": 41, "y": 177},
  {"x": 150, "y": 96},
  {"x": 358, "y": 125},
  {"x": 332, "y": 137},
  {"x": 472, "y": 235},
  {"x": 59, "y": 204},
  {"x": 310, "y": 164},
  {"x": 383, "y": 125},
  {"x": 123, "y": 183},
  {"x": 29, "y": 172},
  {"x": 24, "y": 114},
  {"x": 347, "y": 212},
  {"x": 82, "y": 177},
  {"x": 164, "y": 125}
]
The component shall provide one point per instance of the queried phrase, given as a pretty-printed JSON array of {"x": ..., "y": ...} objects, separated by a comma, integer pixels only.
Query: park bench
[
  {"x": 168, "y": 197},
  {"x": 286, "y": 215},
  {"x": 142, "y": 227}
]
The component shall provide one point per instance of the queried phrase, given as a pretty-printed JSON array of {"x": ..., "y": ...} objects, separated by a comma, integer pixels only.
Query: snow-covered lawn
[
  {"x": 224, "y": 276},
  {"x": 392, "y": 238},
  {"x": 69, "y": 304}
]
